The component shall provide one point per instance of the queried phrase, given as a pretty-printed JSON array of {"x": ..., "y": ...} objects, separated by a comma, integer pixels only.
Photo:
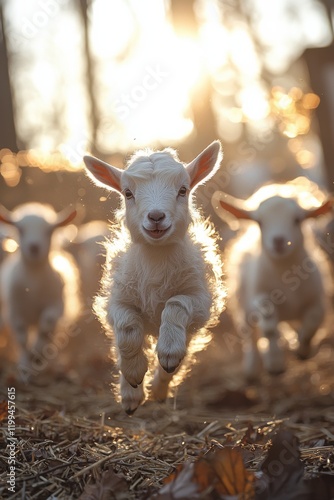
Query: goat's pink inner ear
[
  {"x": 322, "y": 210},
  {"x": 239, "y": 213},
  {"x": 204, "y": 164},
  {"x": 67, "y": 219},
  {"x": 104, "y": 173}
]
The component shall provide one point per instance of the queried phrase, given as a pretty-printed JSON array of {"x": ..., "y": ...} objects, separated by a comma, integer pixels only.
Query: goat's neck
[
  {"x": 36, "y": 267},
  {"x": 294, "y": 258},
  {"x": 163, "y": 252}
]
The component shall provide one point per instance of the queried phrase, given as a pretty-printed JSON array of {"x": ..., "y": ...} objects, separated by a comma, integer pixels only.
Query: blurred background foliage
[{"x": 108, "y": 78}]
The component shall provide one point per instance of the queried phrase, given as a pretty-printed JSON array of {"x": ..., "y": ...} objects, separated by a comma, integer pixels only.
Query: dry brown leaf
[
  {"x": 233, "y": 477},
  {"x": 205, "y": 475},
  {"x": 181, "y": 485},
  {"x": 221, "y": 470},
  {"x": 283, "y": 471}
]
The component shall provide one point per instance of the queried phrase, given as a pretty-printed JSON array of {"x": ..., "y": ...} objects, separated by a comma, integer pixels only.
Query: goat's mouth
[{"x": 156, "y": 233}]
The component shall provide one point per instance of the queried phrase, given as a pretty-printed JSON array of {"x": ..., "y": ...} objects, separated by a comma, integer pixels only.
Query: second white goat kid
[
  {"x": 158, "y": 280},
  {"x": 32, "y": 288},
  {"x": 274, "y": 274}
]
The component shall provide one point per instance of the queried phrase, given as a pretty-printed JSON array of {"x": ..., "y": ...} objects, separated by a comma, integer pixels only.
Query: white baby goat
[
  {"x": 274, "y": 274},
  {"x": 158, "y": 279},
  {"x": 32, "y": 289}
]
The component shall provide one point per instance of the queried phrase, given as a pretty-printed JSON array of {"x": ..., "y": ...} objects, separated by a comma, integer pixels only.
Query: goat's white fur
[
  {"x": 38, "y": 286},
  {"x": 157, "y": 281},
  {"x": 261, "y": 265}
]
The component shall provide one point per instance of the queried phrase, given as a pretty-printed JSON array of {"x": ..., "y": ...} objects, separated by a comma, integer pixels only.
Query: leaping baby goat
[{"x": 158, "y": 280}]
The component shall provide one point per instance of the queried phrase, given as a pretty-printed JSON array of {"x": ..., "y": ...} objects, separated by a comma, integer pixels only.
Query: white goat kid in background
[
  {"x": 32, "y": 289},
  {"x": 274, "y": 274},
  {"x": 160, "y": 282}
]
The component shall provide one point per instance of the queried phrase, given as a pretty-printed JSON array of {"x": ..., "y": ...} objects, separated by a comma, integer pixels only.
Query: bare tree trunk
[
  {"x": 320, "y": 63},
  {"x": 94, "y": 112},
  {"x": 7, "y": 130},
  {"x": 185, "y": 23}
]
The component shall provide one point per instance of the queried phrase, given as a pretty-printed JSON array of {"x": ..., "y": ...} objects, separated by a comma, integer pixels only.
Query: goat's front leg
[
  {"x": 46, "y": 327},
  {"x": 273, "y": 354},
  {"x": 128, "y": 331},
  {"x": 172, "y": 341},
  {"x": 312, "y": 319}
]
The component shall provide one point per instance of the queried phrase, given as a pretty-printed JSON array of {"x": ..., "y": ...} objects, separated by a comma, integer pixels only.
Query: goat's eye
[
  {"x": 183, "y": 191},
  {"x": 128, "y": 194},
  {"x": 297, "y": 221}
]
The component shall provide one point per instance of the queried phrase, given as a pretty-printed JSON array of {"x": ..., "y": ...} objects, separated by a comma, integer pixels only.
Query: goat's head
[
  {"x": 156, "y": 188},
  {"x": 35, "y": 224},
  {"x": 279, "y": 220}
]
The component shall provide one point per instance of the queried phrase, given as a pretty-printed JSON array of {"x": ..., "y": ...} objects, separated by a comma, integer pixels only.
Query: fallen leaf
[
  {"x": 218, "y": 474},
  {"x": 181, "y": 485},
  {"x": 233, "y": 478},
  {"x": 111, "y": 487},
  {"x": 283, "y": 471}
]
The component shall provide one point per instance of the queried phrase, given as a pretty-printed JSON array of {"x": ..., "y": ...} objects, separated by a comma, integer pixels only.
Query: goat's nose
[
  {"x": 34, "y": 249},
  {"x": 279, "y": 243},
  {"x": 156, "y": 215}
]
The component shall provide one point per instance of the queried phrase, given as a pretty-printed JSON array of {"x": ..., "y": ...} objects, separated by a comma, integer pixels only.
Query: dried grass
[{"x": 69, "y": 433}]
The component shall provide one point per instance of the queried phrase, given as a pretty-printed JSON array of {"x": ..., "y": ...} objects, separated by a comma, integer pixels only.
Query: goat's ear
[
  {"x": 222, "y": 203},
  {"x": 65, "y": 217},
  {"x": 205, "y": 164},
  {"x": 105, "y": 174},
  {"x": 6, "y": 216},
  {"x": 322, "y": 210}
]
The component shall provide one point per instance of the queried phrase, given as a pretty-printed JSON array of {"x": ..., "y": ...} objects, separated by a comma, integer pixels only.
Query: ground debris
[{"x": 74, "y": 441}]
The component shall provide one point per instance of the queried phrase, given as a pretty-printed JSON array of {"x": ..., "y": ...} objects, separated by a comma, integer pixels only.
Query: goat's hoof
[
  {"x": 130, "y": 411},
  {"x": 170, "y": 369},
  {"x": 303, "y": 352},
  {"x": 133, "y": 384}
]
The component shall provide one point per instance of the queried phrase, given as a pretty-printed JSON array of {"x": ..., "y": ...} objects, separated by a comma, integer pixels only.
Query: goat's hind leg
[
  {"x": 160, "y": 383},
  {"x": 131, "y": 397},
  {"x": 312, "y": 319}
]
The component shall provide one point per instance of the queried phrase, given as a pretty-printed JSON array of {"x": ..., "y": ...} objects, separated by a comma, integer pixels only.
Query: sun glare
[
  {"x": 254, "y": 103},
  {"x": 145, "y": 78}
]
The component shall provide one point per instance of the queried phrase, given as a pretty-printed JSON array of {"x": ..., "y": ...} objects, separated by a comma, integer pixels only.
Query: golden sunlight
[{"x": 111, "y": 80}]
